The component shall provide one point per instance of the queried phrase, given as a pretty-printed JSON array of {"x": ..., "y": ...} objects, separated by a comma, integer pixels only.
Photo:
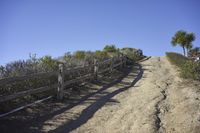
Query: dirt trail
[
  {"x": 159, "y": 102},
  {"x": 151, "y": 98}
]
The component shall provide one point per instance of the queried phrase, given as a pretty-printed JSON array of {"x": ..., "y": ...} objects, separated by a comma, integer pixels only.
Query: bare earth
[
  {"x": 150, "y": 99},
  {"x": 158, "y": 102}
]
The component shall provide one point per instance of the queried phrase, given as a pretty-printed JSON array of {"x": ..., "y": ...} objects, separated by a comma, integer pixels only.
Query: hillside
[
  {"x": 149, "y": 98},
  {"x": 159, "y": 102}
]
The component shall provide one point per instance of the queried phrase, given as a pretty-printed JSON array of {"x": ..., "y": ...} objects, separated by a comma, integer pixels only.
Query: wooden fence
[{"x": 83, "y": 73}]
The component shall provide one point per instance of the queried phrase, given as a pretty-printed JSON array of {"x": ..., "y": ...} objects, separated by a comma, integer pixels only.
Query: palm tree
[
  {"x": 183, "y": 39},
  {"x": 190, "y": 37}
]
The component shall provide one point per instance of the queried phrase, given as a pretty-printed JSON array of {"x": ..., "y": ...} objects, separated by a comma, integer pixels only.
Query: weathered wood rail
[{"x": 92, "y": 72}]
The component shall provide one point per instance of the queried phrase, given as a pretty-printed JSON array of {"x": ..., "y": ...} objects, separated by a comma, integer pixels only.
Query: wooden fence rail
[
  {"x": 27, "y": 92},
  {"x": 61, "y": 73}
]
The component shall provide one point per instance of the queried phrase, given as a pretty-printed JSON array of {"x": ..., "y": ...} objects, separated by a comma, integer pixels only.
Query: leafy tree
[
  {"x": 110, "y": 48},
  {"x": 190, "y": 37},
  {"x": 183, "y": 39}
]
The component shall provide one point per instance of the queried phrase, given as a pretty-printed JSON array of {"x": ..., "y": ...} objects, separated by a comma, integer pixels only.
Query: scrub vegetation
[
  {"x": 49, "y": 64},
  {"x": 78, "y": 58},
  {"x": 189, "y": 68},
  {"x": 189, "y": 62}
]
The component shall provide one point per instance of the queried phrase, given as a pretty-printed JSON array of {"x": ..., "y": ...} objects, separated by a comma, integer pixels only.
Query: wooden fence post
[
  {"x": 124, "y": 59},
  {"x": 111, "y": 64},
  {"x": 60, "y": 93},
  {"x": 95, "y": 69},
  {"x": 121, "y": 61}
]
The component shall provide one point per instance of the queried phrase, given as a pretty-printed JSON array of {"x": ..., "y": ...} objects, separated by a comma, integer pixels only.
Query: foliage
[
  {"x": 67, "y": 56},
  {"x": 188, "y": 68},
  {"x": 176, "y": 59},
  {"x": 48, "y": 64},
  {"x": 101, "y": 54},
  {"x": 110, "y": 48},
  {"x": 89, "y": 58},
  {"x": 195, "y": 52},
  {"x": 183, "y": 39},
  {"x": 20, "y": 67},
  {"x": 79, "y": 54},
  {"x": 191, "y": 69},
  {"x": 132, "y": 53}
]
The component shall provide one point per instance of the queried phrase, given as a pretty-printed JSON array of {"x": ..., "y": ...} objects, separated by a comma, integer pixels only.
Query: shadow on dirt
[
  {"x": 35, "y": 124},
  {"x": 90, "y": 110}
]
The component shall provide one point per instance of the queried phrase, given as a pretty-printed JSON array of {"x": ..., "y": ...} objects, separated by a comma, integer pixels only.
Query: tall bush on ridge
[
  {"x": 110, "y": 48},
  {"x": 132, "y": 53}
]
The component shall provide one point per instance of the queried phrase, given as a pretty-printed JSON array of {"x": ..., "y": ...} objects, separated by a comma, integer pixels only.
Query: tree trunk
[{"x": 184, "y": 51}]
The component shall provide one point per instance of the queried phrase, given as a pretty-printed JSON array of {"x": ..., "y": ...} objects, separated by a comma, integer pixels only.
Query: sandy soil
[
  {"x": 159, "y": 102},
  {"x": 150, "y": 98}
]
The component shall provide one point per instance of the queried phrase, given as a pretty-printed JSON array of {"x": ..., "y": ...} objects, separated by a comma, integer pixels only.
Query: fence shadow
[
  {"x": 36, "y": 124},
  {"x": 90, "y": 110}
]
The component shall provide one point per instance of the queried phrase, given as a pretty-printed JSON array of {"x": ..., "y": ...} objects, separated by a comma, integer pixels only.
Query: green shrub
[
  {"x": 176, "y": 59},
  {"x": 190, "y": 69},
  {"x": 132, "y": 53},
  {"x": 110, "y": 48},
  {"x": 79, "y": 54},
  {"x": 101, "y": 54},
  {"x": 48, "y": 63}
]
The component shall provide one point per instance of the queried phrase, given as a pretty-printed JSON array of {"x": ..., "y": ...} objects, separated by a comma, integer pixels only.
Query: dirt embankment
[{"x": 150, "y": 98}]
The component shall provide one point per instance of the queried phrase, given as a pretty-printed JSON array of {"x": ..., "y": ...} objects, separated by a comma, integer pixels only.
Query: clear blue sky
[{"x": 53, "y": 27}]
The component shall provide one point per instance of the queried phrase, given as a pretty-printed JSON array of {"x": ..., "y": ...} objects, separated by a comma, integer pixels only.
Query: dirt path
[
  {"x": 151, "y": 98},
  {"x": 159, "y": 102}
]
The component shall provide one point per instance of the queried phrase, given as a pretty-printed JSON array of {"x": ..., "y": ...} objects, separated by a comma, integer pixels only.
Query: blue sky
[{"x": 53, "y": 27}]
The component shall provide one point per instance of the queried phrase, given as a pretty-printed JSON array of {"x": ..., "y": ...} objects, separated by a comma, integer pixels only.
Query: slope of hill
[
  {"x": 159, "y": 102},
  {"x": 150, "y": 98}
]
